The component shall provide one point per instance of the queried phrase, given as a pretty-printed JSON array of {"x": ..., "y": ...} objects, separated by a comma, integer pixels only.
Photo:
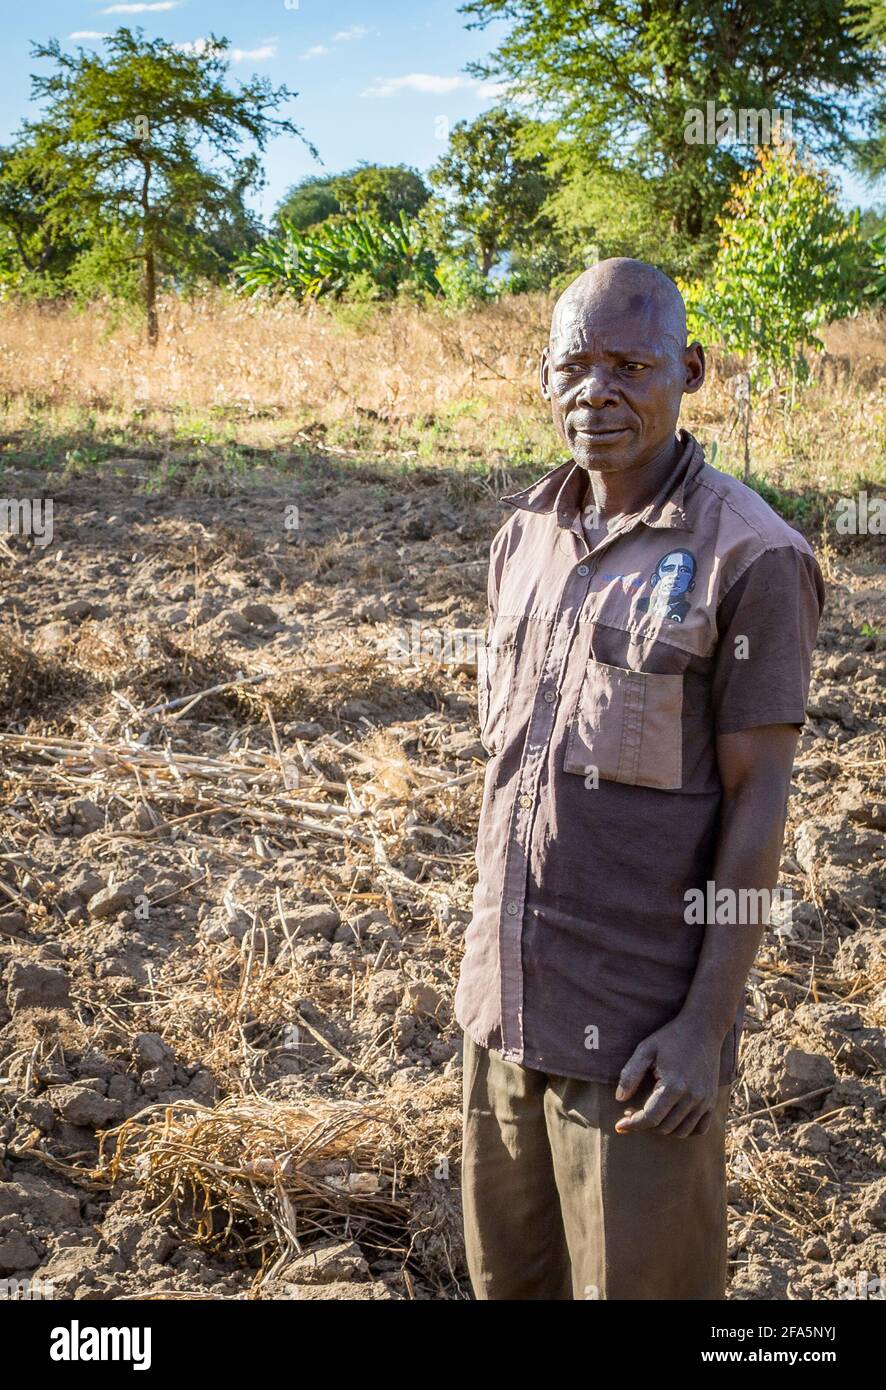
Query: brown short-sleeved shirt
[{"x": 606, "y": 676}]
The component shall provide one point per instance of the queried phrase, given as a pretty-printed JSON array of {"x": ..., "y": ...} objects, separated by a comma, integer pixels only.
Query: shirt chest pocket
[
  {"x": 495, "y": 674},
  {"x": 627, "y": 725}
]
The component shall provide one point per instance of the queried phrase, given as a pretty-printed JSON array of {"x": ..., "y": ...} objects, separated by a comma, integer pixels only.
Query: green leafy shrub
[
  {"x": 463, "y": 283},
  {"x": 789, "y": 260},
  {"x": 876, "y": 276},
  {"x": 351, "y": 254}
]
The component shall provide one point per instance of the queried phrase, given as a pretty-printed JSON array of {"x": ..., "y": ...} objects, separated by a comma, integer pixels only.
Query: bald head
[{"x": 624, "y": 288}]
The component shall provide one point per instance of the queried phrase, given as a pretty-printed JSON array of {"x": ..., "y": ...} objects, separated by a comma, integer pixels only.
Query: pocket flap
[{"x": 628, "y": 727}]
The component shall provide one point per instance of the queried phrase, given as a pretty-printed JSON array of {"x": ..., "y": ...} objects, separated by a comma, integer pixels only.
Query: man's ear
[
  {"x": 544, "y": 368},
  {"x": 695, "y": 368}
]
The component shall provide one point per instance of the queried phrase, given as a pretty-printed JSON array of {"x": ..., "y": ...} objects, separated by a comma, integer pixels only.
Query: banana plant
[{"x": 325, "y": 261}]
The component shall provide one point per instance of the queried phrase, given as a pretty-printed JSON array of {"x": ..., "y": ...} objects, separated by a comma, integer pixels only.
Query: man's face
[
  {"x": 675, "y": 573},
  {"x": 615, "y": 377}
]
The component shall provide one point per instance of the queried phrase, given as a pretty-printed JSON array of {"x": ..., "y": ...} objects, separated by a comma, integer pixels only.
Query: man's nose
[{"x": 596, "y": 389}]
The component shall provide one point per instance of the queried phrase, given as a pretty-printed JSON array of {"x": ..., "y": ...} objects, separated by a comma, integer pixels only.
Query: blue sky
[{"x": 376, "y": 81}]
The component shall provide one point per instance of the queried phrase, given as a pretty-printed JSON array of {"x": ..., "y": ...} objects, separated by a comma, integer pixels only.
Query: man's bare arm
[{"x": 684, "y": 1056}]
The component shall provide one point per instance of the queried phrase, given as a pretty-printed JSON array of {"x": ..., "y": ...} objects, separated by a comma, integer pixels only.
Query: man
[{"x": 647, "y": 665}]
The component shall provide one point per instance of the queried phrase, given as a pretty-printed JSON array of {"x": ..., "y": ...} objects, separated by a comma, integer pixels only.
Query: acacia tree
[
  {"x": 870, "y": 152},
  {"x": 143, "y": 147},
  {"x": 35, "y": 251}
]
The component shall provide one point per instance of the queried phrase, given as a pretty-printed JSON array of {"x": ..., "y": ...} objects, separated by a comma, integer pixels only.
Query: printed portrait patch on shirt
[{"x": 672, "y": 580}]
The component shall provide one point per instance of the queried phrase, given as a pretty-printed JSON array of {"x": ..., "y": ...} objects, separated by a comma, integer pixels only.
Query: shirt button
[
  {"x": 550, "y": 696},
  {"x": 583, "y": 570},
  {"x": 525, "y": 802},
  {"x": 513, "y": 909}
]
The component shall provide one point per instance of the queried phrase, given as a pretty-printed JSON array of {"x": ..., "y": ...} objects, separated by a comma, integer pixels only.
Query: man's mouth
[{"x": 598, "y": 432}]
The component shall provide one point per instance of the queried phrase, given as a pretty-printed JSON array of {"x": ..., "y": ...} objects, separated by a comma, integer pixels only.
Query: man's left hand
[{"x": 684, "y": 1058}]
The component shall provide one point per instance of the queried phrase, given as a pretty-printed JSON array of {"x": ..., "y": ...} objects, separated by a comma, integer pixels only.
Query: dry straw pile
[{"x": 271, "y": 1178}]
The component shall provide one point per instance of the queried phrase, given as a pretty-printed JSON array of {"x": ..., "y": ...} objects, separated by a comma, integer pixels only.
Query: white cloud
[
  {"x": 237, "y": 55},
  {"x": 254, "y": 55},
  {"x": 438, "y": 85},
  {"x": 193, "y": 46},
  {"x": 493, "y": 89},
  {"x": 142, "y": 8},
  {"x": 356, "y": 31},
  {"x": 318, "y": 51},
  {"x": 87, "y": 34},
  {"x": 418, "y": 82}
]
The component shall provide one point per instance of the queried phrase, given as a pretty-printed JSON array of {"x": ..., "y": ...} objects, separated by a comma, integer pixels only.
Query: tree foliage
[
  {"x": 382, "y": 191},
  {"x": 141, "y": 154},
  {"x": 788, "y": 261},
  {"x": 37, "y": 248},
  {"x": 308, "y": 202},
  {"x": 490, "y": 188},
  {"x": 615, "y": 79},
  {"x": 870, "y": 151}
]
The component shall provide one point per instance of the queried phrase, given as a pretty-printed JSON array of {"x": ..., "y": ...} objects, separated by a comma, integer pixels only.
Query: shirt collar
[{"x": 562, "y": 489}]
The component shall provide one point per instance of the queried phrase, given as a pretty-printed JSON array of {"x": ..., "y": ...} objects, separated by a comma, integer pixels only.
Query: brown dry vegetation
[
  {"x": 230, "y": 923},
  {"x": 398, "y": 383}
]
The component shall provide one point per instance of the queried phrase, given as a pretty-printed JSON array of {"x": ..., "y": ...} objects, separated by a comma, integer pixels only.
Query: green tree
[
  {"x": 490, "y": 190},
  {"x": 380, "y": 191},
  {"x": 872, "y": 222},
  {"x": 617, "y": 77},
  {"x": 38, "y": 248},
  {"x": 870, "y": 152},
  {"x": 789, "y": 260},
  {"x": 143, "y": 148},
  {"x": 308, "y": 202}
]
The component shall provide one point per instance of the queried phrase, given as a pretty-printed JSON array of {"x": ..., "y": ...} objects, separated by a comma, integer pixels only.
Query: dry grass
[
  {"x": 397, "y": 382},
  {"x": 225, "y": 353}
]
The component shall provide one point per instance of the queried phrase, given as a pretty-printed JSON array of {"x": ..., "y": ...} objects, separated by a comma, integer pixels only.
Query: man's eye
[{"x": 635, "y": 366}]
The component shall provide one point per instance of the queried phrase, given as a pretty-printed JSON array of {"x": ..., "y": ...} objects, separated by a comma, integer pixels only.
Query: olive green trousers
[{"x": 559, "y": 1206}]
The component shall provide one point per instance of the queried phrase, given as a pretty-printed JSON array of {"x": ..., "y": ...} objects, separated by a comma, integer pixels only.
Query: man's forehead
[
  {"x": 583, "y": 328},
  {"x": 616, "y": 316}
]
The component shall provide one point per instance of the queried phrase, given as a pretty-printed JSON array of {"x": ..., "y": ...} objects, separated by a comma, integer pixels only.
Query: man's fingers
[
  {"x": 692, "y": 1123},
  {"x": 633, "y": 1071},
  {"x": 673, "y": 1121},
  {"x": 659, "y": 1104}
]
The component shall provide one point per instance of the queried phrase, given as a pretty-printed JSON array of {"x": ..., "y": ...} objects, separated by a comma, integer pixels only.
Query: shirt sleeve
[{"x": 767, "y": 624}]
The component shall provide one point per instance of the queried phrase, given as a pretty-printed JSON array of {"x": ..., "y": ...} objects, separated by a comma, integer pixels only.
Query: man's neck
[{"x": 624, "y": 492}]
